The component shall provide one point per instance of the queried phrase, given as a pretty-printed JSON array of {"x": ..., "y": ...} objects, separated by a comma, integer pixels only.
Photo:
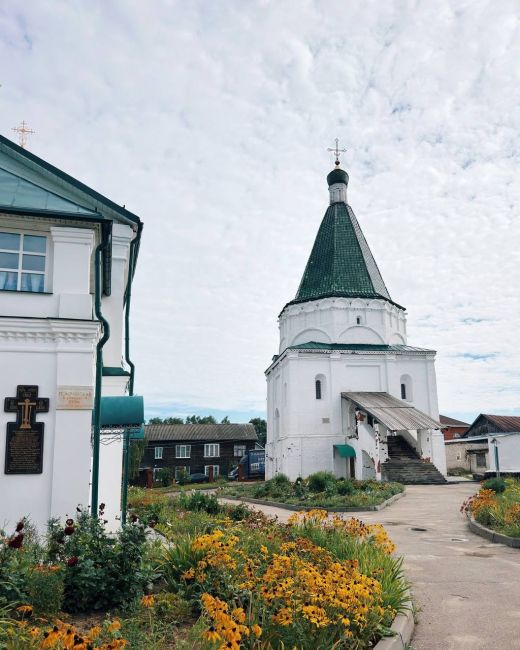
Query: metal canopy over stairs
[{"x": 405, "y": 466}]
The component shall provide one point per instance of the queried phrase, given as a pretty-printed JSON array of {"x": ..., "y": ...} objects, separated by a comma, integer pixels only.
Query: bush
[
  {"x": 45, "y": 589},
  {"x": 165, "y": 476},
  {"x": 281, "y": 480},
  {"x": 199, "y": 501},
  {"x": 498, "y": 485},
  {"x": 184, "y": 477},
  {"x": 344, "y": 487},
  {"x": 320, "y": 481}
]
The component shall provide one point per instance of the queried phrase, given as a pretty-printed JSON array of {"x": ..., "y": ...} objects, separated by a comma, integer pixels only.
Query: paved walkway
[{"x": 466, "y": 589}]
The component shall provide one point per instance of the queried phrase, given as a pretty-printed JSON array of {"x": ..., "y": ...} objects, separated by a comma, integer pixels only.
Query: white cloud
[{"x": 211, "y": 119}]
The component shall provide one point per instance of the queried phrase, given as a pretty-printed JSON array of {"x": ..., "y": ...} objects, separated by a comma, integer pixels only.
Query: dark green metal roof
[
  {"x": 357, "y": 347},
  {"x": 341, "y": 263},
  {"x": 345, "y": 451}
]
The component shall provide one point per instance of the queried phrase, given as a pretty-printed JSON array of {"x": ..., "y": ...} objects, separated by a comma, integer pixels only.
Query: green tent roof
[
  {"x": 341, "y": 263},
  {"x": 345, "y": 451}
]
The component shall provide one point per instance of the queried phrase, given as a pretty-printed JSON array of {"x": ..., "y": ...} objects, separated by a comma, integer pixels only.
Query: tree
[
  {"x": 225, "y": 420},
  {"x": 260, "y": 426},
  {"x": 198, "y": 419},
  {"x": 169, "y": 420}
]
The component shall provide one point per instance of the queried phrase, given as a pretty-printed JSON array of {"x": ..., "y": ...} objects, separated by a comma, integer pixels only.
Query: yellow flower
[
  {"x": 25, "y": 609},
  {"x": 256, "y": 630},
  {"x": 283, "y": 617},
  {"x": 147, "y": 601},
  {"x": 239, "y": 615},
  {"x": 94, "y": 632},
  {"x": 114, "y": 626},
  {"x": 189, "y": 574},
  {"x": 211, "y": 635},
  {"x": 263, "y": 550}
]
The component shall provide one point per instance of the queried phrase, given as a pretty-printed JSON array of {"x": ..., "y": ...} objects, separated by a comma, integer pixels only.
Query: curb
[
  {"x": 402, "y": 626},
  {"x": 491, "y": 535},
  {"x": 299, "y": 508}
]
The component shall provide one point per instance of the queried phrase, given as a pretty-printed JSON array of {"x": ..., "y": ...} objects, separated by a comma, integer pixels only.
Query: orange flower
[
  {"x": 147, "y": 601},
  {"x": 114, "y": 626}
]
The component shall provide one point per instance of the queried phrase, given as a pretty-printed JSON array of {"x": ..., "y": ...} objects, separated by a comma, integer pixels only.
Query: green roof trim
[
  {"x": 345, "y": 451},
  {"x": 341, "y": 263},
  {"x": 115, "y": 372},
  {"x": 358, "y": 347}
]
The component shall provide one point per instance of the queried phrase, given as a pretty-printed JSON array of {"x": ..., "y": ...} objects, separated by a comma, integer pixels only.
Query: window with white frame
[
  {"x": 181, "y": 470},
  {"x": 22, "y": 262},
  {"x": 158, "y": 453},
  {"x": 182, "y": 451},
  {"x": 212, "y": 450},
  {"x": 239, "y": 450},
  {"x": 216, "y": 470}
]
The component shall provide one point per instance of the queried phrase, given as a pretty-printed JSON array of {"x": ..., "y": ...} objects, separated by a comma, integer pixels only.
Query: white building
[
  {"x": 345, "y": 390},
  {"x": 63, "y": 247}
]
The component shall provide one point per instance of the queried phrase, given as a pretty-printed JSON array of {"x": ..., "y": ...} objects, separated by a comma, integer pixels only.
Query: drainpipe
[
  {"x": 99, "y": 369},
  {"x": 134, "y": 251}
]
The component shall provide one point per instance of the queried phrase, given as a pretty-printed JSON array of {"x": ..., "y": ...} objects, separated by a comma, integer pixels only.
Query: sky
[{"x": 211, "y": 121}]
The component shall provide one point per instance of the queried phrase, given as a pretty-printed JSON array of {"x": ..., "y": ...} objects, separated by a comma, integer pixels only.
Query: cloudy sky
[{"x": 211, "y": 118}]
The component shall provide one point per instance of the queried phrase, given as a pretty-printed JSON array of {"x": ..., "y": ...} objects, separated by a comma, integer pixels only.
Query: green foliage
[
  {"x": 137, "y": 448},
  {"x": 498, "y": 485},
  {"x": 165, "y": 476},
  {"x": 502, "y": 511},
  {"x": 102, "y": 571},
  {"x": 184, "y": 477},
  {"x": 319, "y": 481},
  {"x": 260, "y": 426},
  {"x": 45, "y": 589},
  {"x": 199, "y": 501},
  {"x": 344, "y": 488},
  {"x": 281, "y": 480}
]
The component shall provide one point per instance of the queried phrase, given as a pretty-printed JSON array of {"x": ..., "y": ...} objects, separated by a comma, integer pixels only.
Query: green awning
[
  {"x": 345, "y": 451},
  {"x": 126, "y": 411}
]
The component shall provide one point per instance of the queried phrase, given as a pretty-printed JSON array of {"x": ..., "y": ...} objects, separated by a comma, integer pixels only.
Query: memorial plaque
[
  {"x": 75, "y": 398},
  {"x": 24, "y": 444}
]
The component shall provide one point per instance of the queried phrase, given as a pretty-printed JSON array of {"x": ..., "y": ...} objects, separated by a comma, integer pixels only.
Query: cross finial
[
  {"x": 337, "y": 151},
  {"x": 23, "y": 132}
]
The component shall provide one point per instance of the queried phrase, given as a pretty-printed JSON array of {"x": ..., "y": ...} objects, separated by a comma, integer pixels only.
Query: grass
[{"x": 318, "y": 490}]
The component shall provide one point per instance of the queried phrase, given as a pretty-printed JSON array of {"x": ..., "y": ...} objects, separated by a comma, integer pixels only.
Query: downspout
[
  {"x": 134, "y": 251},
  {"x": 99, "y": 368}
]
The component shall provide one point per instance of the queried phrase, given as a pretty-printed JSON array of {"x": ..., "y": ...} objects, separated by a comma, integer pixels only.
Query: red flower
[
  {"x": 16, "y": 541},
  {"x": 72, "y": 561},
  {"x": 101, "y": 506},
  {"x": 69, "y": 530},
  {"x": 133, "y": 518},
  {"x": 19, "y": 526},
  {"x": 70, "y": 522}
]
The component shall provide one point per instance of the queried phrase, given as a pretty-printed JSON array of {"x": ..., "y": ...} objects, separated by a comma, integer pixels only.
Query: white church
[
  {"x": 346, "y": 393},
  {"x": 67, "y": 259}
]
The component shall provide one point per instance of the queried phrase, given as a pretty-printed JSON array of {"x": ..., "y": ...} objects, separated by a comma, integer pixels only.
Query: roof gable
[
  {"x": 341, "y": 263},
  {"x": 487, "y": 423},
  {"x": 31, "y": 184}
]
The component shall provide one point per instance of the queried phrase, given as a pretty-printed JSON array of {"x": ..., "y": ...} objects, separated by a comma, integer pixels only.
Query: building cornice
[
  {"x": 338, "y": 354},
  {"x": 44, "y": 331}
]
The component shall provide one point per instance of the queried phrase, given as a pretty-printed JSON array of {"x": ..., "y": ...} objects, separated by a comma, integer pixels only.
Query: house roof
[
  {"x": 451, "y": 422},
  {"x": 30, "y": 184},
  {"x": 392, "y": 412},
  {"x": 199, "y": 432},
  {"x": 504, "y": 424},
  {"x": 341, "y": 263}
]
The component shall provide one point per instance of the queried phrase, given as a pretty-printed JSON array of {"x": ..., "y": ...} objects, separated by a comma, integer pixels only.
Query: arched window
[
  {"x": 358, "y": 320},
  {"x": 318, "y": 388}
]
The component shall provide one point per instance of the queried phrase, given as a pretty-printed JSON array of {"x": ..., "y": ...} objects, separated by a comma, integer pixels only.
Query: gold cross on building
[{"x": 23, "y": 132}]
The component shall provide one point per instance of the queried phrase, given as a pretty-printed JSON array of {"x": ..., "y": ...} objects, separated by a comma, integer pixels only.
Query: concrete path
[{"x": 467, "y": 590}]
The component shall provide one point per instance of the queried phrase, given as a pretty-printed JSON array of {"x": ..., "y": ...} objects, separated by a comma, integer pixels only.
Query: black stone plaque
[{"x": 24, "y": 444}]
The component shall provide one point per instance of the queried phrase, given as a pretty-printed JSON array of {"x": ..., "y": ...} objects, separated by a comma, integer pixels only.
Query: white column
[{"x": 72, "y": 253}]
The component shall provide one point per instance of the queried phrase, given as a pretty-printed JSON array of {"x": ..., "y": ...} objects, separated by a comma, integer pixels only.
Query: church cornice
[
  {"x": 335, "y": 301},
  {"x": 45, "y": 331},
  {"x": 332, "y": 351}
]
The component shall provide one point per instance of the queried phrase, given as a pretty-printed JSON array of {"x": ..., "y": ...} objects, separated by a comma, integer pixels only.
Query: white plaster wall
[
  {"x": 335, "y": 320},
  {"x": 47, "y": 354},
  {"x": 508, "y": 453}
]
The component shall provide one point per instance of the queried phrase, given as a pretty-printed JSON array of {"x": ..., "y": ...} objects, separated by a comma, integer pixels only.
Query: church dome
[{"x": 337, "y": 176}]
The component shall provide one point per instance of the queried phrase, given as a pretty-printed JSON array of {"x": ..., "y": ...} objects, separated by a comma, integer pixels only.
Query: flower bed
[
  {"x": 217, "y": 577},
  {"x": 497, "y": 506},
  {"x": 318, "y": 490}
]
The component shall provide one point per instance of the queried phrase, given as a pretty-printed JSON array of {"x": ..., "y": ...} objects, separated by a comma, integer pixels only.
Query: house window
[
  {"x": 459, "y": 456},
  {"x": 22, "y": 262},
  {"x": 182, "y": 451},
  {"x": 158, "y": 453},
  {"x": 239, "y": 450},
  {"x": 212, "y": 450},
  {"x": 403, "y": 391},
  {"x": 179, "y": 470},
  {"x": 358, "y": 320},
  {"x": 481, "y": 459},
  {"x": 215, "y": 470},
  {"x": 318, "y": 389}
]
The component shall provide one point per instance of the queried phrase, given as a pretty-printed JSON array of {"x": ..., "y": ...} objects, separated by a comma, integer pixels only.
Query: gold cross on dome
[
  {"x": 23, "y": 132},
  {"x": 337, "y": 151}
]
